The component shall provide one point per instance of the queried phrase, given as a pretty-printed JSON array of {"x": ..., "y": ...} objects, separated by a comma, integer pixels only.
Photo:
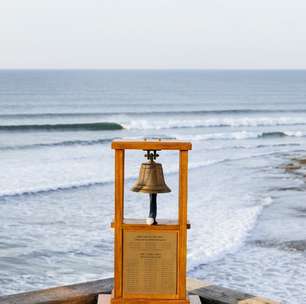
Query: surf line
[{"x": 96, "y": 126}]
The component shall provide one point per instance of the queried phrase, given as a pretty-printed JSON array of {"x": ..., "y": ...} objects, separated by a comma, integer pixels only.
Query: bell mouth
[{"x": 146, "y": 189}]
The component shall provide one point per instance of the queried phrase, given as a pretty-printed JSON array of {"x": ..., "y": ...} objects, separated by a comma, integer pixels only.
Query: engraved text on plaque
[{"x": 149, "y": 262}]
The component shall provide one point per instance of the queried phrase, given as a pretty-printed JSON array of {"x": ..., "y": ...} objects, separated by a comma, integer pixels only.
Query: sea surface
[{"x": 247, "y": 213}]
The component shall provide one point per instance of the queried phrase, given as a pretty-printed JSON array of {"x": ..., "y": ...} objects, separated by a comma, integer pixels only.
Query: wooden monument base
[{"x": 150, "y": 260}]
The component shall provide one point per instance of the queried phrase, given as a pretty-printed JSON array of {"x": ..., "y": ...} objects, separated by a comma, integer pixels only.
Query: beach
[{"x": 247, "y": 169}]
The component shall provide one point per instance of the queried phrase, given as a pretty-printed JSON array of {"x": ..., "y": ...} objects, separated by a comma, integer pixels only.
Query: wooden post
[
  {"x": 119, "y": 213},
  {"x": 182, "y": 214}
]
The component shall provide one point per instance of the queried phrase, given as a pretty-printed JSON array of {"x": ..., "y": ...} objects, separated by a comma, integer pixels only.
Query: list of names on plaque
[{"x": 149, "y": 262}]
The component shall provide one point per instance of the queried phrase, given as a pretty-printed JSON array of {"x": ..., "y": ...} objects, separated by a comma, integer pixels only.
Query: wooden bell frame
[{"x": 180, "y": 226}]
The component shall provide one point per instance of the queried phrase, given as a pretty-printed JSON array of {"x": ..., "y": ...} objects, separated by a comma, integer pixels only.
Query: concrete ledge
[
  {"x": 83, "y": 293},
  {"x": 87, "y": 293},
  {"x": 213, "y": 294}
]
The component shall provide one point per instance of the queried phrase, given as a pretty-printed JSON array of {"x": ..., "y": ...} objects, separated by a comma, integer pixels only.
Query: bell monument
[{"x": 150, "y": 254}]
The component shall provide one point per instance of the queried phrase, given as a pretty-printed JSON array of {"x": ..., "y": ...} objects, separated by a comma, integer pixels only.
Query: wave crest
[
  {"x": 244, "y": 135},
  {"x": 213, "y": 122},
  {"x": 96, "y": 126},
  {"x": 65, "y": 143},
  {"x": 89, "y": 183}
]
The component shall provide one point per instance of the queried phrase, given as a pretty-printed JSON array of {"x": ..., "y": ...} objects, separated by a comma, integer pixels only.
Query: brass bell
[{"x": 151, "y": 180}]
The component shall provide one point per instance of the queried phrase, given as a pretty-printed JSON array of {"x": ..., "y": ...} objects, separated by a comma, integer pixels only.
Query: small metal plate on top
[{"x": 149, "y": 262}]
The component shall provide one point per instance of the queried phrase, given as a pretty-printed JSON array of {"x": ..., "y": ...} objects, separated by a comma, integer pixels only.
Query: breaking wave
[
  {"x": 210, "y": 136},
  {"x": 89, "y": 183},
  {"x": 214, "y": 122},
  {"x": 226, "y": 238},
  {"x": 43, "y": 190},
  {"x": 243, "y": 135},
  {"x": 65, "y": 143},
  {"x": 154, "y": 124},
  {"x": 97, "y": 126}
]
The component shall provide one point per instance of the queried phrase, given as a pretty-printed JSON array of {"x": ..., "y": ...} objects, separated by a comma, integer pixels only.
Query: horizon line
[{"x": 152, "y": 69}]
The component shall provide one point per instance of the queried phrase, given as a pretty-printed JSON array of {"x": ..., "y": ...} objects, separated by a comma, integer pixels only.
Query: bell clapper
[{"x": 151, "y": 220}]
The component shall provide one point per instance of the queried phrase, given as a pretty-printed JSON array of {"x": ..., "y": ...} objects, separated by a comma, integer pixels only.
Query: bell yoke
[{"x": 151, "y": 180}]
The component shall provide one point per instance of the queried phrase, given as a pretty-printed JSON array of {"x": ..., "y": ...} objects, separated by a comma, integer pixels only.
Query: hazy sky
[{"x": 152, "y": 34}]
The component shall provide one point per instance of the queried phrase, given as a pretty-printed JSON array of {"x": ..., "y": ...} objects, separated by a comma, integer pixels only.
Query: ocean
[{"x": 247, "y": 213}]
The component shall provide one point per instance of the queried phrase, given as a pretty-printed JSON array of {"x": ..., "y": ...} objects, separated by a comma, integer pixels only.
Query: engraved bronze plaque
[{"x": 149, "y": 262}]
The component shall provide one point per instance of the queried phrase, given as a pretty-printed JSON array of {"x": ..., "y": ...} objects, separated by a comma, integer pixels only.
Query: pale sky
[{"x": 196, "y": 34}]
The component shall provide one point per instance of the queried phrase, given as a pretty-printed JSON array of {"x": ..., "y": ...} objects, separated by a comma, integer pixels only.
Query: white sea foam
[
  {"x": 225, "y": 135},
  {"x": 212, "y": 122},
  {"x": 241, "y": 135},
  {"x": 61, "y": 179},
  {"x": 224, "y": 232},
  {"x": 295, "y": 133}
]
